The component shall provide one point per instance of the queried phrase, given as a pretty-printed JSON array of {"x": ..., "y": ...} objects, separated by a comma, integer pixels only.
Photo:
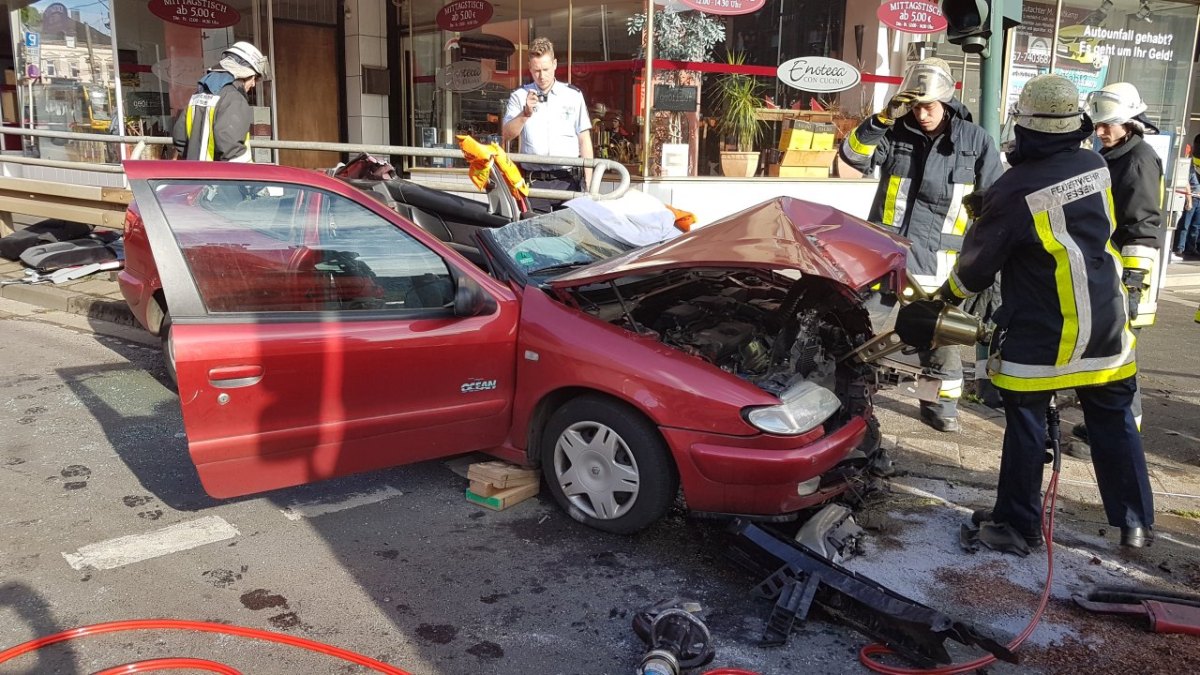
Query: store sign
[
  {"x": 464, "y": 15},
  {"x": 676, "y": 99},
  {"x": 463, "y": 76},
  {"x": 818, "y": 74},
  {"x": 726, "y": 7},
  {"x": 912, "y": 16},
  {"x": 195, "y": 13}
]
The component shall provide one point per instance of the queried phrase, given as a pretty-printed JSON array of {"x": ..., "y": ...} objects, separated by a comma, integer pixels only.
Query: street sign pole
[{"x": 991, "y": 73}]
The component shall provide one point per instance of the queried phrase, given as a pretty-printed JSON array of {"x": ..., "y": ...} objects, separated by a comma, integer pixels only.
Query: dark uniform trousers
[
  {"x": 551, "y": 180},
  {"x": 1117, "y": 456}
]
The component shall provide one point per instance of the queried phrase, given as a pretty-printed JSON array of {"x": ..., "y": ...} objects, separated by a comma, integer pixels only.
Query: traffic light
[{"x": 969, "y": 22}]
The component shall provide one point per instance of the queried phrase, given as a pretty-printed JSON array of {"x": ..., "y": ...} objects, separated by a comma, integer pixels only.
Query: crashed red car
[{"x": 317, "y": 333}]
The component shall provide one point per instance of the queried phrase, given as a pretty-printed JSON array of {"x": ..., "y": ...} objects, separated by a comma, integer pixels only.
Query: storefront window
[
  {"x": 1100, "y": 42},
  {"x": 55, "y": 96}
]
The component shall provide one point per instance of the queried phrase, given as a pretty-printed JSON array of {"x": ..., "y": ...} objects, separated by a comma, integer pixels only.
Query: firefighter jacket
[
  {"x": 1137, "y": 186},
  {"x": 922, "y": 183},
  {"x": 216, "y": 123},
  {"x": 1047, "y": 225}
]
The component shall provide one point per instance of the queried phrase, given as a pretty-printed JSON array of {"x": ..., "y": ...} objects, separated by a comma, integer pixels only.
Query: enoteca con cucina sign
[{"x": 818, "y": 74}]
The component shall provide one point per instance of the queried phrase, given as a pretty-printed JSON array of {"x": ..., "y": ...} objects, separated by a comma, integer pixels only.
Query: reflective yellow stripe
[
  {"x": 956, "y": 286},
  {"x": 191, "y": 110},
  {"x": 857, "y": 146},
  {"x": 1085, "y": 379},
  {"x": 212, "y": 136},
  {"x": 1066, "y": 290},
  {"x": 1137, "y": 263},
  {"x": 1162, "y": 191},
  {"x": 1112, "y": 211},
  {"x": 889, "y": 202},
  {"x": 1197, "y": 317}
]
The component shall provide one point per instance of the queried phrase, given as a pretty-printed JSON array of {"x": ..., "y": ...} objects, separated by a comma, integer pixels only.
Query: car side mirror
[{"x": 470, "y": 299}]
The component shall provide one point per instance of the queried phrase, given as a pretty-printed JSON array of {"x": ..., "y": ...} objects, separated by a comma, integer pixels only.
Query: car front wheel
[{"x": 607, "y": 466}]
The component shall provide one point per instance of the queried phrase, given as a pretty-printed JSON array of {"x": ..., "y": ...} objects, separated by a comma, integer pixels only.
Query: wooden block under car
[
  {"x": 501, "y": 474},
  {"x": 484, "y": 489},
  {"x": 504, "y": 498}
]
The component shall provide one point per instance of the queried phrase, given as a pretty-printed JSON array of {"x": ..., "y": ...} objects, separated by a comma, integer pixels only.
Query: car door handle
[{"x": 231, "y": 377}]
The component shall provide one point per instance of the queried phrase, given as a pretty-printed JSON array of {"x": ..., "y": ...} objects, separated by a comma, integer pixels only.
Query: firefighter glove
[
  {"x": 898, "y": 107},
  {"x": 1135, "y": 284}
]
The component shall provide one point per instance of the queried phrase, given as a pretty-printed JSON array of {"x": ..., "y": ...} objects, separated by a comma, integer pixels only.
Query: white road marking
[
  {"x": 298, "y": 510},
  {"x": 106, "y": 555}
]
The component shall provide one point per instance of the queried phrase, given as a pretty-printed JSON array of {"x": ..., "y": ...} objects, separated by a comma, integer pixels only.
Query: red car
[{"x": 318, "y": 333}]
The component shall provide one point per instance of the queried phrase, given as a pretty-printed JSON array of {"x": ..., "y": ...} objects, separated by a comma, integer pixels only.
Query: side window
[{"x": 262, "y": 247}]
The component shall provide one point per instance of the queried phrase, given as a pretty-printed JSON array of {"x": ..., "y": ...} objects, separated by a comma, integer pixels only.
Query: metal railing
[{"x": 599, "y": 166}]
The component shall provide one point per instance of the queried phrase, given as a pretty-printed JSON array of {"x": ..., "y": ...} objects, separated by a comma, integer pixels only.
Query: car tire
[
  {"x": 168, "y": 348},
  {"x": 607, "y": 465}
]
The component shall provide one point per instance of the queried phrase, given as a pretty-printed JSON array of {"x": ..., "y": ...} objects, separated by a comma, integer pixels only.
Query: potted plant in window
[{"x": 737, "y": 103}]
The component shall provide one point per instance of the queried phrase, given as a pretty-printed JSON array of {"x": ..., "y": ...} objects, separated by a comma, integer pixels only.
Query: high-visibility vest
[{"x": 202, "y": 140}]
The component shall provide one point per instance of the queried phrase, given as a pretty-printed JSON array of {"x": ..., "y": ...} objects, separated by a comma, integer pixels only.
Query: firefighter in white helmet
[
  {"x": 1119, "y": 114},
  {"x": 1063, "y": 322},
  {"x": 215, "y": 126},
  {"x": 930, "y": 156}
]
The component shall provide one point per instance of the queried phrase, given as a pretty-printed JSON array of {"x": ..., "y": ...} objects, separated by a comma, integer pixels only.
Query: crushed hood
[{"x": 783, "y": 233}]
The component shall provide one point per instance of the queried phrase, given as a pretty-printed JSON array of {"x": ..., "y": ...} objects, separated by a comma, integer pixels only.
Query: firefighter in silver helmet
[
  {"x": 1063, "y": 321},
  {"x": 930, "y": 156},
  {"x": 1119, "y": 114},
  {"x": 215, "y": 126}
]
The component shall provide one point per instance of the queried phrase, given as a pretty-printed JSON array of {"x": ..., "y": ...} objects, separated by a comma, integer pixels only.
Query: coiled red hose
[
  {"x": 200, "y": 664},
  {"x": 866, "y": 653}
]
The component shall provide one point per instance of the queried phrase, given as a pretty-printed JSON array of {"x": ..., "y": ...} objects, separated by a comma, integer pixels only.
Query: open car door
[{"x": 315, "y": 333}]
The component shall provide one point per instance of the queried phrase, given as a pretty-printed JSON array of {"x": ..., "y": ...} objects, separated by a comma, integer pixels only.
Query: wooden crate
[
  {"x": 504, "y": 498},
  {"x": 501, "y": 474}
]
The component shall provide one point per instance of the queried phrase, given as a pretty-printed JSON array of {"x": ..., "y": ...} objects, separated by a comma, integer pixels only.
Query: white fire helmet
[
  {"x": 930, "y": 79},
  {"x": 1115, "y": 104},
  {"x": 242, "y": 56}
]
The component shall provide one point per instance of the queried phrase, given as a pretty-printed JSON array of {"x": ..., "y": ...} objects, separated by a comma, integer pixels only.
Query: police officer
[
  {"x": 551, "y": 119},
  {"x": 1118, "y": 113},
  {"x": 930, "y": 156},
  {"x": 1063, "y": 321},
  {"x": 216, "y": 123}
]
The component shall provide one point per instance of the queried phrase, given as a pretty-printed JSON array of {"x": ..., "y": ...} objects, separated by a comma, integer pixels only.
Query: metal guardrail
[{"x": 599, "y": 166}]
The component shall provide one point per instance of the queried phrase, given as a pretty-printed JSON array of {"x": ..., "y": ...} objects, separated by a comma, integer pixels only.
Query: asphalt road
[{"x": 395, "y": 565}]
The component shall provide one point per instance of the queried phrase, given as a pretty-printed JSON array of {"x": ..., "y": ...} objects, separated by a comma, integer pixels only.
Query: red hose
[
  {"x": 202, "y": 626},
  {"x": 865, "y": 654},
  {"x": 174, "y": 663}
]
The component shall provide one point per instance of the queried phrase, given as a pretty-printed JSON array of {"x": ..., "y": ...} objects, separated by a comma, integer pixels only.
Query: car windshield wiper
[{"x": 561, "y": 266}]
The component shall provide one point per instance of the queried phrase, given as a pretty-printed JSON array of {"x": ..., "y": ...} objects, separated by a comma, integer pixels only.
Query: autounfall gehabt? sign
[{"x": 818, "y": 74}]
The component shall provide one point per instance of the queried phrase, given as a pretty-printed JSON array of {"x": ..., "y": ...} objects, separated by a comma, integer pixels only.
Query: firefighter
[
  {"x": 1118, "y": 113},
  {"x": 930, "y": 157},
  {"x": 1063, "y": 321},
  {"x": 215, "y": 126}
]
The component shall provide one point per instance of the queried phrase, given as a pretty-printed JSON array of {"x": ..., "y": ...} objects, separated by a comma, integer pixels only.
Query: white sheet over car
[{"x": 635, "y": 218}]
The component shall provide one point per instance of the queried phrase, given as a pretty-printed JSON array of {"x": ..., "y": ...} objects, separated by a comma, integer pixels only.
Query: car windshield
[{"x": 553, "y": 243}]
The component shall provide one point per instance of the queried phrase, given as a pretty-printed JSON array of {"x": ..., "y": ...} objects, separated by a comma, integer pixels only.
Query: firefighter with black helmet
[
  {"x": 1063, "y": 322},
  {"x": 930, "y": 157},
  {"x": 215, "y": 126}
]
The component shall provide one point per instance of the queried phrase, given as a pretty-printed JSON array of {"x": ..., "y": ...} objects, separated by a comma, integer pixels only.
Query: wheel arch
[
  {"x": 556, "y": 399},
  {"x": 156, "y": 310}
]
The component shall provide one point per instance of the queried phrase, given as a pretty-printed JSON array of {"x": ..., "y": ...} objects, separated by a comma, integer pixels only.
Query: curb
[{"x": 63, "y": 300}]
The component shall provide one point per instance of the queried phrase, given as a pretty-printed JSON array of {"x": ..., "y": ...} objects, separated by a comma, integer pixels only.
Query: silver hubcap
[{"x": 596, "y": 471}]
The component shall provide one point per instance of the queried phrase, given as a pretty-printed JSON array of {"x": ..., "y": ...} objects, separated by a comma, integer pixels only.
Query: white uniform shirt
[{"x": 554, "y": 127}]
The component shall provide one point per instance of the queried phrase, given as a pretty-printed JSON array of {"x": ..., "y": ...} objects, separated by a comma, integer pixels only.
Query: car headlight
[{"x": 802, "y": 407}]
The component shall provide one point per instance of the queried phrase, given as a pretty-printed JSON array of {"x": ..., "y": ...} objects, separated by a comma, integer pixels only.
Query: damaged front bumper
[{"x": 761, "y": 475}]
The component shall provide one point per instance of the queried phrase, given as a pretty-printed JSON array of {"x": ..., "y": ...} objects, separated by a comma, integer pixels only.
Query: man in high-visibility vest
[
  {"x": 1063, "y": 322},
  {"x": 215, "y": 126},
  {"x": 930, "y": 156}
]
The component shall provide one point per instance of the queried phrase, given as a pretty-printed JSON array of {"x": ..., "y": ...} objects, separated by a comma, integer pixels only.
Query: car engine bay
[{"x": 765, "y": 328}]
